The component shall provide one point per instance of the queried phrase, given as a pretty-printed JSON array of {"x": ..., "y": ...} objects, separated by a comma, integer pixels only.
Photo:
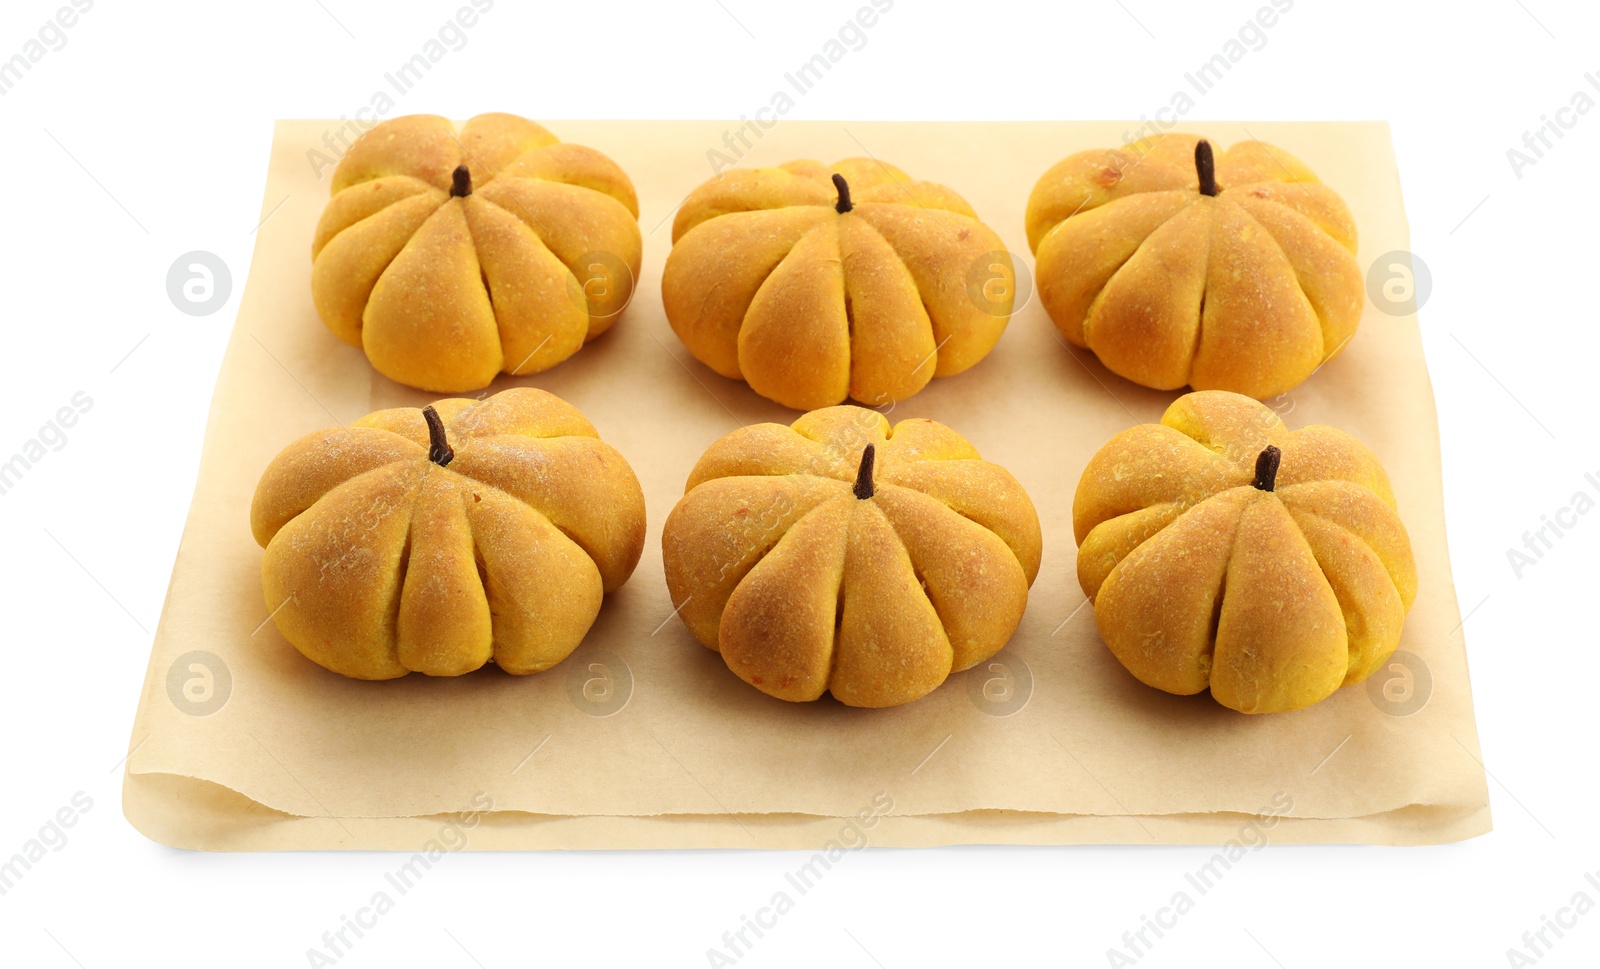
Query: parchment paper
[{"x": 297, "y": 757}]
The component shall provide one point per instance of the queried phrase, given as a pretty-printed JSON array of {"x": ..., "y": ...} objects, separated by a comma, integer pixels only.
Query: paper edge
[{"x": 182, "y": 813}]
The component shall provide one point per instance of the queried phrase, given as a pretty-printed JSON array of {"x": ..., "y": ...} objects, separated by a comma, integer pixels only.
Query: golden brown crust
[
  {"x": 805, "y": 588},
  {"x": 1272, "y": 600},
  {"x": 380, "y": 562},
  {"x": 768, "y": 283},
  {"x": 1249, "y": 290},
  {"x": 443, "y": 292}
]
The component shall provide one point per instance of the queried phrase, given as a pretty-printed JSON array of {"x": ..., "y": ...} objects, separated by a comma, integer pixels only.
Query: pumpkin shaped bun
[
  {"x": 450, "y": 257},
  {"x": 441, "y": 539},
  {"x": 845, "y": 556},
  {"x": 814, "y": 283},
  {"x": 1224, "y": 551},
  {"x": 1176, "y": 267}
]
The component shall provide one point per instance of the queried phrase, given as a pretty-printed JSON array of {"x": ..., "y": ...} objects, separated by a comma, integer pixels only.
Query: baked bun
[
  {"x": 451, "y": 257},
  {"x": 815, "y": 283},
  {"x": 441, "y": 539},
  {"x": 840, "y": 555},
  {"x": 1234, "y": 272},
  {"x": 1224, "y": 551}
]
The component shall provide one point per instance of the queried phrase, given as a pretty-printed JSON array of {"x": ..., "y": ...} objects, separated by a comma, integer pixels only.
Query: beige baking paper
[{"x": 297, "y": 757}]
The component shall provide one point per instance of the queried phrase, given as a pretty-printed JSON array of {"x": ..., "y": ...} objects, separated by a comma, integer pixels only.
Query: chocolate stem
[
  {"x": 844, "y": 196},
  {"x": 460, "y": 182},
  {"x": 863, "y": 487},
  {"x": 439, "y": 450},
  {"x": 1267, "y": 468},
  {"x": 1206, "y": 167}
]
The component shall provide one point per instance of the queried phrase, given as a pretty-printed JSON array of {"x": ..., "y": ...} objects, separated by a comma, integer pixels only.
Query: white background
[{"x": 146, "y": 136}]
